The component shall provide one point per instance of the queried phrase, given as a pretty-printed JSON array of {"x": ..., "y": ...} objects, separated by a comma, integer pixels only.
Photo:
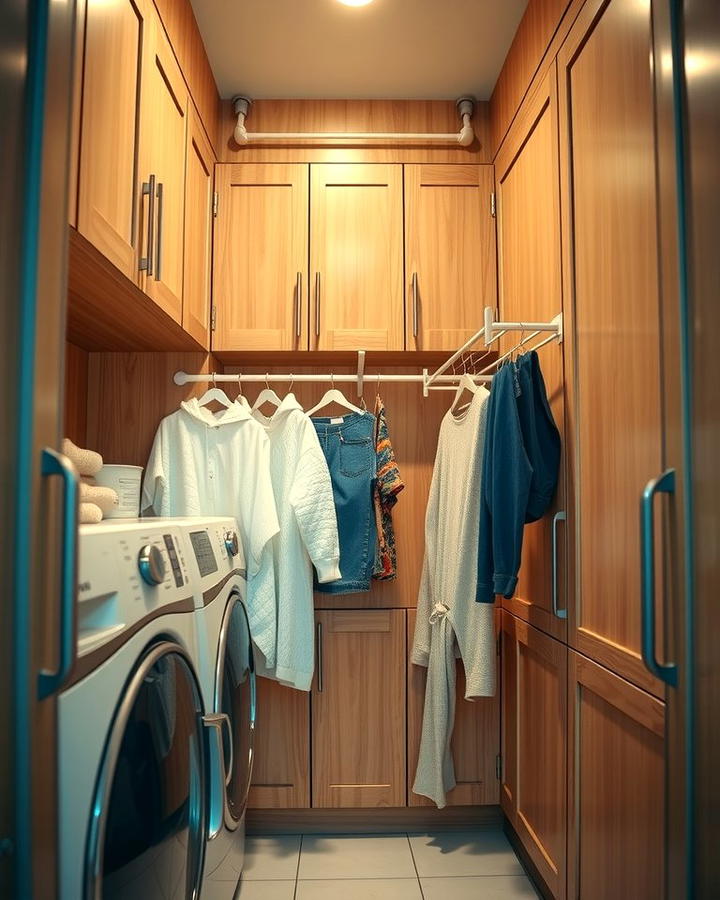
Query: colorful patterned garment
[{"x": 388, "y": 485}]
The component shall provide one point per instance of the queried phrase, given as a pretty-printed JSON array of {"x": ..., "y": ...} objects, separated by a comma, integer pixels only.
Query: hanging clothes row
[
  {"x": 298, "y": 487},
  {"x": 496, "y": 469}
]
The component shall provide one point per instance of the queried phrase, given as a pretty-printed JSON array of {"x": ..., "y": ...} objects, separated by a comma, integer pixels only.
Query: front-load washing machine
[
  {"x": 139, "y": 752},
  {"x": 227, "y": 677}
]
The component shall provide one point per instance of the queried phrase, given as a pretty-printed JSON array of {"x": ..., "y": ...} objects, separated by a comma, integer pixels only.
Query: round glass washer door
[
  {"x": 148, "y": 816},
  {"x": 235, "y": 695}
]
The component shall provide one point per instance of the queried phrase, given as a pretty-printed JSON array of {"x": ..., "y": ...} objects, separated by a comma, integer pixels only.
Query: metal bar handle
[
  {"x": 54, "y": 463},
  {"x": 560, "y": 516},
  {"x": 317, "y": 304},
  {"x": 319, "y": 642},
  {"x": 158, "y": 256},
  {"x": 415, "y": 303},
  {"x": 298, "y": 301},
  {"x": 146, "y": 262},
  {"x": 664, "y": 484},
  {"x": 214, "y": 724}
]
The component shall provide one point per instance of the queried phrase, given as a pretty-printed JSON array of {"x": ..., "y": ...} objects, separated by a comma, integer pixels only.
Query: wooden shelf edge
[
  {"x": 371, "y": 821},
  {"x": 374, "y": 359},
  {"x": 107, "y": 311}
]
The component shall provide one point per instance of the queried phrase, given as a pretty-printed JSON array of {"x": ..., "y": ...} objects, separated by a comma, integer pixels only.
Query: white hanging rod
[
  {"x": 493, "y": 330},
  {"x": 181, "y": 378},
  {"x": 464, "y": 137}
]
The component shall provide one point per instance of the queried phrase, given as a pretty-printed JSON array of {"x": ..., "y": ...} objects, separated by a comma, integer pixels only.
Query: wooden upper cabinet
[
  {"x": 534, "y": 716},
  {"x": 358, "y": 709},
  {"x": 80, "y": 8},
  {"x": 109, "y": 185},
  {"x": 607, "y": 145},
  {"x": 616, "y": 833},
  {"x": 261, "y": 257},
  {"x": 530, "y": 288},
  {"x": 164, "y": 114},
  {"x": 449, "y": 253},
  {"x": 475, "y": 739},
  {"x": 281, "y": 760},
  {"x": 356, "y": 257},
  {"x": 199, "y": 173}
]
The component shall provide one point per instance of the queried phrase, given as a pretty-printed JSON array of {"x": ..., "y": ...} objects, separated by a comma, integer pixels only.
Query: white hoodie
[
  {"x": 202, "y": 464},
  {"x": 308, "y": 536}
]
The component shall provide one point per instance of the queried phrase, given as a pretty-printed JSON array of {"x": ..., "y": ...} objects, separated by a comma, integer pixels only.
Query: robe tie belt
[{"x": 440, "y": 610}]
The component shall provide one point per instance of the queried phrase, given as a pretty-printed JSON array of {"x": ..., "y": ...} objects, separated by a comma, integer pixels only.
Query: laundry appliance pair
[{"x": 156, "y": 720}]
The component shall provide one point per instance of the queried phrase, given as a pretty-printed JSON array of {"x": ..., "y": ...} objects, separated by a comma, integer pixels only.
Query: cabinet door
[
  {"x": 163, "y": 112},
  {"x": 607, "y": 150},
  {"x": 475, "y": 740},
  {"x": 450, "y": 273},
  {"x": 356, "y": 257},
  {"x": 358, "y": 709},
  {"x": 197, "y": 270},
  {"x": 281, "y": 761},
  {"x": 109, "y": 184},
  {"x": 530, "y": 287},
  {"x": 616, "y": 834},
  {"x": 534, "y": 707},
  {"x": 261, "y": 257}
]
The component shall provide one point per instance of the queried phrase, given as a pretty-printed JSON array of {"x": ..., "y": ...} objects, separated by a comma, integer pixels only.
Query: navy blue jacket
[{"x": 521, "y": 461}]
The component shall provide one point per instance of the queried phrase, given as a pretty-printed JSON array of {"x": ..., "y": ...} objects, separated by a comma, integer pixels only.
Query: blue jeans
[{"x": 349, "y": 447}]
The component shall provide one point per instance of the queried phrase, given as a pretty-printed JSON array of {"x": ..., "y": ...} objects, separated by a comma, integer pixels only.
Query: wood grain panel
[
  {"x": 414, "y": 424},
  {"x": 116, "y": 40},
  {"x": 450, "y": 249},
  {"x": 108, "y": 311},
  {"x": 475, "y": 740},
  {"x": 281, "y": 767},
  {"x": 530, "y": 287},
  {"x": 356, "y": 252},
  {"x": 76, "y": 393},
  {"x": 616, "y": 779},
  {"x": 261, "y": 245},
  {"x": 358, "y": 736},
  {"x": 527, "y": 51},
  {"x": 78, "y": 69},
  {"x": 178, "y": 19},
  {"x": 163, "y": 115},
  {"x": 197, "y": 263},
  {"x": 537, "y": 726},
  {"x": 611, "y": 275},
  {"x": 129, "y": 393},
  {"x": 358, "y": 116}
]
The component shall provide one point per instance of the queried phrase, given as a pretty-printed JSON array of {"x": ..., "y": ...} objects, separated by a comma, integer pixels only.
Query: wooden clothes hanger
[
  {"x": 215, "y": 393},
  {"x": 334, "y": 396}
]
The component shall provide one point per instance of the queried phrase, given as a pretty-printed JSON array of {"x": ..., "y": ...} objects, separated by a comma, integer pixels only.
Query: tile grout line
[
  {"x": 417, "y": 874},
  {"x": 297, "y": 869}
]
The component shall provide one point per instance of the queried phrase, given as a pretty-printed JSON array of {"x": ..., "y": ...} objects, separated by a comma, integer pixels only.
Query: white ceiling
[{"x": 399, "y": 49}]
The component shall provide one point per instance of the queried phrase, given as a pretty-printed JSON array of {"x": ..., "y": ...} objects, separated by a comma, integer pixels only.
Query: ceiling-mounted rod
[
  {"x": 181, "y": 378},
  {"x": 465, "y": 137}
]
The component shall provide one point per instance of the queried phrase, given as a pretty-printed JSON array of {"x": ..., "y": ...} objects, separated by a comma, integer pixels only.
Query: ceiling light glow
[{"x": 355, "y": 2}]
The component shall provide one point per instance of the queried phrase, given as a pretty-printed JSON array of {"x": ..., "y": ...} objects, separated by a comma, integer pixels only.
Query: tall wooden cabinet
[
  {"x": 530, "y": 287},
  {"x": 358, "y": 709},
  {"x": 607, "y": 142},
  {"x": 449, "y": 253},
  {"x": 356, "y": 257},
  {"x": 534, "y": 745},
  {"x": 261, "y": 257},
  {"x": 117, "y": 39}
]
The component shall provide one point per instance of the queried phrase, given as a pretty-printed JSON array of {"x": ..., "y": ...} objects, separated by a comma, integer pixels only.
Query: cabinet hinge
[
  {"x": 213, "y": 317},
  {"x": 492, "y": 204},
  {"x": 215, "y": 204},
  {"x": 498, "y": 767}
]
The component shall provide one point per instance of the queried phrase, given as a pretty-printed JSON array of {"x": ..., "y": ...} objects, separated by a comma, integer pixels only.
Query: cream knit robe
[
  {"x": 449, "y": 621},
  {"x": 308, "y": 536}
]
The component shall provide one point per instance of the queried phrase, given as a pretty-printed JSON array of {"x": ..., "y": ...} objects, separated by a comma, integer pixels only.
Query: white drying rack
[{"x": 438, "y": 380}]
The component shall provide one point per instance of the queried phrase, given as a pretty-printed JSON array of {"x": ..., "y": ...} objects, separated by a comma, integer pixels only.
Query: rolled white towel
[
  {"x": 90, "y": 514},
  {"x": 87, "y": 462},
  {"x": 103, "y": 497}
]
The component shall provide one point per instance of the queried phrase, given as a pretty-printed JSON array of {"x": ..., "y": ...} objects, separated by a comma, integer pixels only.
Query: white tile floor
[{"x": 478, "y": 865}]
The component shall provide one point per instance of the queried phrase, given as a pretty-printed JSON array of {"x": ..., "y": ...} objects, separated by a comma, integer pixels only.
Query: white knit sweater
[{"x": 308, "y": 536}]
